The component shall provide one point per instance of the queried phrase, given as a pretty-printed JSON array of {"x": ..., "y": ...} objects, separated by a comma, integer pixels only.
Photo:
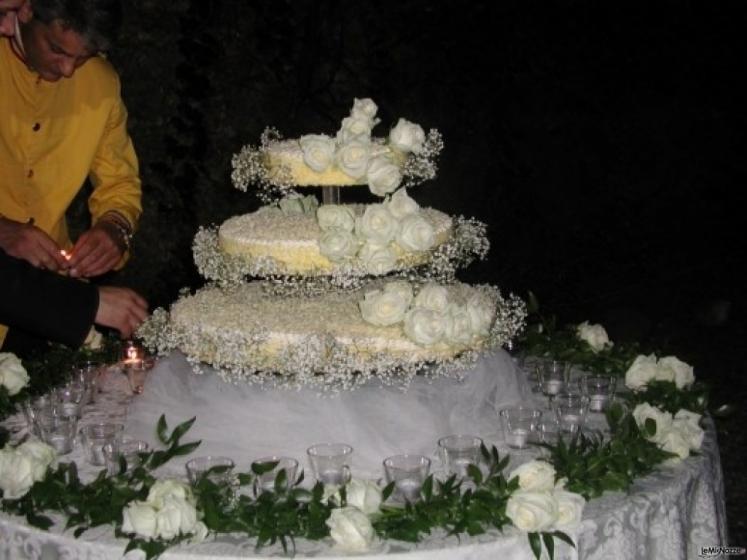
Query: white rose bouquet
[
  {"x": 13, "y": 376},
  {"x": 679, "y": 434},
  {"x": 22, "y": 466},
  {"x": 645, "y": 369},
  {"x": 350, "y": 529},
  {"x": 168, "y": 512}
]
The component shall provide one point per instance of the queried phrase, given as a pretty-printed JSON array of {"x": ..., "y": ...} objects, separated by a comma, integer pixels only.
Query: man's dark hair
[{"x": 97, "y": 21}]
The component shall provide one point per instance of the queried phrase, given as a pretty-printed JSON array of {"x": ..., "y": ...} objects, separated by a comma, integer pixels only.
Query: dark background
[{"x": 602, "y": 142}]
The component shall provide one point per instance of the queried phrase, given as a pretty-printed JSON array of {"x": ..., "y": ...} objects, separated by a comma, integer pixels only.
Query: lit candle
[
  {"x": 517, "y": 438},
  {"x": 553, "y": 386}
]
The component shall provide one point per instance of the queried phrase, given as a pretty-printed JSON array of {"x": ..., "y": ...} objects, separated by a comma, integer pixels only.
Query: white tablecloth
[{"x": 667, "y": 515}]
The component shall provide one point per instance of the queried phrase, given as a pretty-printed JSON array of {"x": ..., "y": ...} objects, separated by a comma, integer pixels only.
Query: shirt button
[
  {"x": 30, "y": 173},
  {"x": 36, "y": 127}
]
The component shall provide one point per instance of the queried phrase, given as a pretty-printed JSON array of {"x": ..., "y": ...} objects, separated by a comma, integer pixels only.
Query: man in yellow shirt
[{"x": 64, "y": 121}]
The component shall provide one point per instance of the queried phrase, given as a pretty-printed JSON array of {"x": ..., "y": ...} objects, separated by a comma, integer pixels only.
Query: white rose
[
  {"x": 42, "y": 457},
  {"x": 681, "y": 373},
  {"x": 663, "y": 372},
  {"x": 354, "y": 126},
  {"x": 139, "y": 518},
  {"x": 338, "y": 244},
  {"x": 675, "y": 442},
  {"x": 16, "y": 473},
  {"x": 383, "y": 176},
  {"x": 400, "y": 204},
  {"x": 535, "y": 476},
  {"x": 364, "y": 495},
  {"x": 459, "y": 327},
  {"x": 351, "y": 529},
  {"x": 383, "y": 308},
  {"x": 352, "y": 158},
  {"x": 432, "y": 296},
  {"x": 407, "y": 136},
  {"x": 378, "y": 259},
  {"x": 292, "y": 205},
  {"x": 318, "y": 151},
  {"x": 175, "y": 517},
  {"x": 199, "y": 534},
  {"x": 168, "y": 488},
  {"x": 403, "y": 288},
  {"x": 335, "y": 216},
  {"x": 481, "y": 312},
  {"x": 645, "y": 411},
  {"x": 570, "y": 509},
  {"x": 425, "y": 326},
  {"x": 641, "y": 371},
  {"x": 416, "y": 234},
  {"x": 364, "y": 108},
  {"x": 13, "y": 375},
  {"x": 594, "y": 335},
  {"x": 377, "y": 225},
  {"x": 94, "y": 339},
  {"x": 532, "y": 511},
  {"x": 688, "y": 424}
]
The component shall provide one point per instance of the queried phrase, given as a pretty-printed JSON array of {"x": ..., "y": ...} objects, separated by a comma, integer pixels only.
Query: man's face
[{"x": 54, "y": 51}]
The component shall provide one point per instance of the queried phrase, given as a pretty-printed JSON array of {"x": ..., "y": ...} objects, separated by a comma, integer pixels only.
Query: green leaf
[
  {"x": 535, "y": 544},
  {"x": 180, "y": 430},
  {"x": 547, "y": 538},
  {"x": 563, "y": 537},
  {"x": 161, "y": 430},
  {"x": 387, "y": 491},
  {"x": 473, "y": 471}
]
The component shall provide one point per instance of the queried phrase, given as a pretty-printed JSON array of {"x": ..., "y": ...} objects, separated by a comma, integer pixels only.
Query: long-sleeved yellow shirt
[{"x": 55, "y": 134}]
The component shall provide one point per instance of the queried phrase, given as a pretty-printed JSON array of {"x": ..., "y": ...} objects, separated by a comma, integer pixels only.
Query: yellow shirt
[{"x": 55, "y": 134}]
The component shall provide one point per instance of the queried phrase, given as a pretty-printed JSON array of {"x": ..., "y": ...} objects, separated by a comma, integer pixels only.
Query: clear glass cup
[
  {"x": 217, "y": 469},
  {"x": 58, "y": 431},
  {"x": 571, "y": 410},
  {"x": 600, "y": 389},
  {"x": 95, "y": 436},
  {"x": 68, "y": 399},
  {"x": 458, "y": 452},
  {"x": 87, "y": 373},
  {"x": 136, "y": 375},
  {"x": 408, "y": 472},
  {"x": 266, "y": 480},
  {"x": 330, "y": 462},
  {"x": 548, "y": 431},
  {"x": 555, "y": 378},
  {"x": 126, "y": 449},
  {"x": 33, "y": 407},
  {"x": 520, "y": 425}
]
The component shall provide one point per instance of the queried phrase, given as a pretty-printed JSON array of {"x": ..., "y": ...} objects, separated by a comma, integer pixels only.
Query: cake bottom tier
[{"x": 248, "y": 422}]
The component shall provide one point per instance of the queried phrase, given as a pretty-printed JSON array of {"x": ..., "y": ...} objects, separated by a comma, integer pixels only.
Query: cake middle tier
[{"x": 292, "y": 241}]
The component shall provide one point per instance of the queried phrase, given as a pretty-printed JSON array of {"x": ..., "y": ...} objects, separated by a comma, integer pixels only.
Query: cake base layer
[{"x": 248, "y": 422}]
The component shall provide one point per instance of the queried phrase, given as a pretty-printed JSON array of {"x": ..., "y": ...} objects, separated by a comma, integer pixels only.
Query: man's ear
[{"x": 25, "y": 12}]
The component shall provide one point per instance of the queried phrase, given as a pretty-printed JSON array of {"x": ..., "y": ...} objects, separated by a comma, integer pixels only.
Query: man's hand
[
  {"x": 121, "y": 309},
  {"x": 97, "y": 251},
  {"x": 28, "y": 242}
]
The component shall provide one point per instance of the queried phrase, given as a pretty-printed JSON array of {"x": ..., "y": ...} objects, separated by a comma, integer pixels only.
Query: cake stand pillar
[{"x": 330, "y": 195}]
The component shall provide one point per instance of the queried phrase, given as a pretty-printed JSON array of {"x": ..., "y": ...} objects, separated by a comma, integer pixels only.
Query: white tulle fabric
[
  {"x": 247, "y": 422},
  {"x": 668, "y": 515}
]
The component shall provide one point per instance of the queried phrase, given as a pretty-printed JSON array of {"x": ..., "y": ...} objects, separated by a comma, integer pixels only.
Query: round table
[{"x": 669, "y": 514}]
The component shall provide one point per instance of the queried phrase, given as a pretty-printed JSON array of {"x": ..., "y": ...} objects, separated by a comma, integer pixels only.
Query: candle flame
[{"x": 65, "y": 254}]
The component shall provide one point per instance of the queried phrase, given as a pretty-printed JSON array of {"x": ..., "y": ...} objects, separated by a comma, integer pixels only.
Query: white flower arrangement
[
  {"x": 679, "y": 433},
  {"x": 409, "y": 158},
  {"x": 595, "y": 335},
  {"x": 13, "y": 376},
  {"x": 540, "y": 504},
  {"x": 24, "y": 465},
  {"x": 168, "y": 512},
  {"x": 645, "y": 369}
]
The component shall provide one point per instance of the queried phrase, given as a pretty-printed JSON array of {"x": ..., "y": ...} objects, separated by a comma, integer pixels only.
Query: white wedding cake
[{"x": 334, "y": 294}]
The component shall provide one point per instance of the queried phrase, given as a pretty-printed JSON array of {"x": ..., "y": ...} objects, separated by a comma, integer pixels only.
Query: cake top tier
[{"x": 407, "y": 156}]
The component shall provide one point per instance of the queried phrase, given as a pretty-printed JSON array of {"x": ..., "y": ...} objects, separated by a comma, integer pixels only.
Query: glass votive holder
[
  {"x": 217, "y": 469},
  {"x": 67, "y": 400},
  {"x": 58, "y": 431},
  {"x": 95, "y": 436},
  {"x": 32, "y": 408},
  {"x": 570, "y": 410},
  {"x": 519, "y": 425},
  {"x": 266, "y": 480},
  {"x": 330, "y": 462},
  {"x": 407, "y": 472},
  {"x": 136, "y": 375},
  {"x": 131, "y": 351},
  {"x": 87, "y": 373},
  {"x": 600, "y": 389},
  {"x": 548, "y": 431},
  {"x": 127, "y": 451},
  {"x": 458, "y": 452},
  {"x": 555, "y": 377}
]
